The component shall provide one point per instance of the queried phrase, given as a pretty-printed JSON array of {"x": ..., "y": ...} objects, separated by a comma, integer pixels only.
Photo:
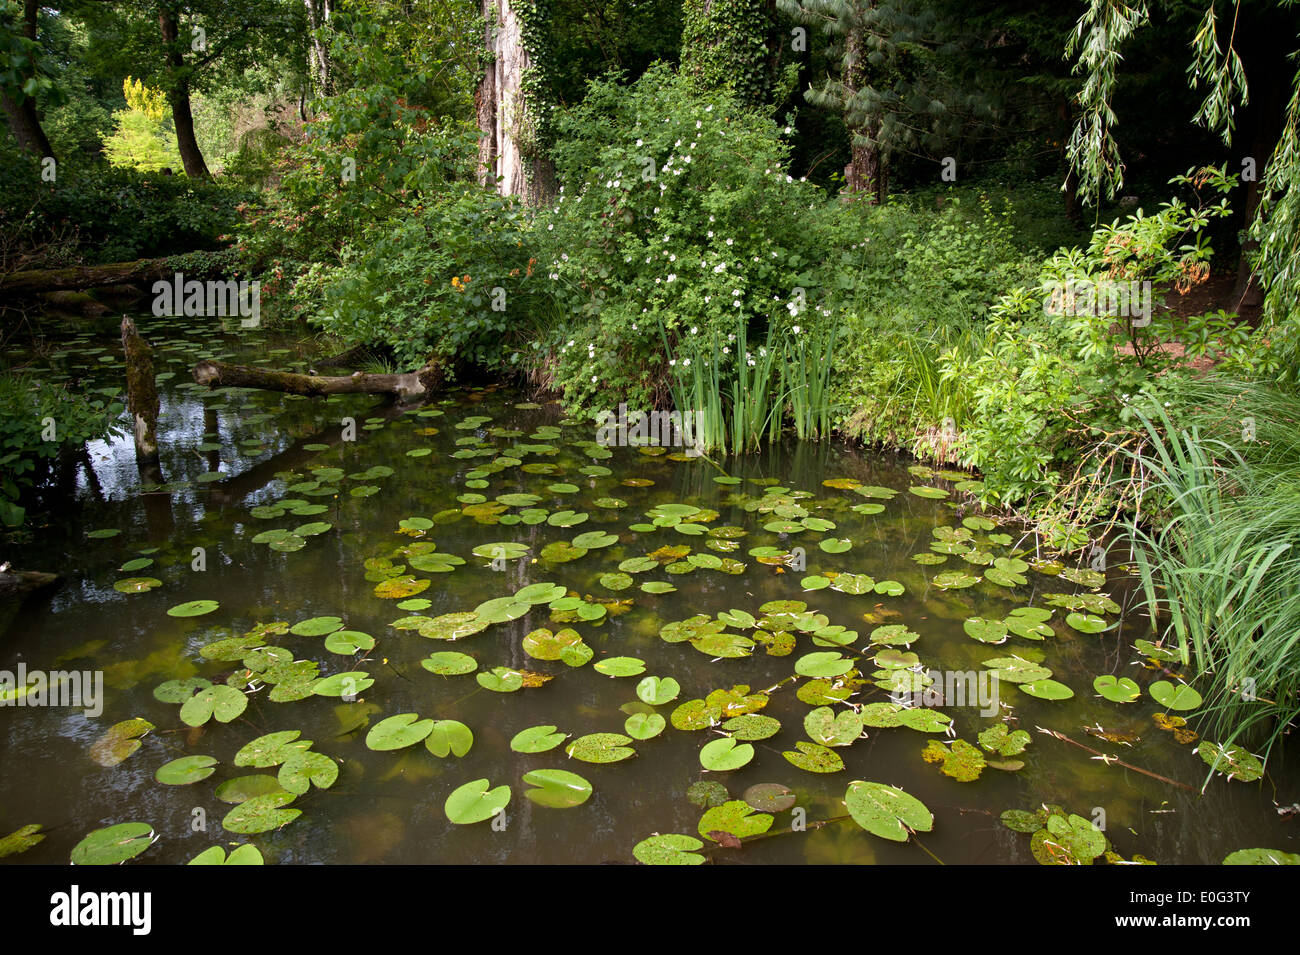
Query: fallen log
[
  {"x": 220, "y": 374},
  {"x": 14, "y": 582},
  {"x": 78, "y": 277}
]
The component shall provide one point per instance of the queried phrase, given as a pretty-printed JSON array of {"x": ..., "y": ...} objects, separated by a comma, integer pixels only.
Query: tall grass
[
  {"x": 808, "y": 366},
  {"x": 741, "y": 391},
  {"x": 1216, "y": 539}
]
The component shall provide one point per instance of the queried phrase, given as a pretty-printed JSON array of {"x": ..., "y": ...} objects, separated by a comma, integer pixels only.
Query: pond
[{"x": 464, "y": 602}]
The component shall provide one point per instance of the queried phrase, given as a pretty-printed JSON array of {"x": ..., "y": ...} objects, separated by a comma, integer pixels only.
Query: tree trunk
[
  {"x": 318, "y": 60},
  {"x": 864, "y": 173},
  {"x": 405, "y": 385},
  {"x": 510, "y": 154},
  {"x": 21, "y": 113},
  {"x": 141, "y": 395},
  {"x": 485, "y": 101},
  {"x": 179, "y": 94}
]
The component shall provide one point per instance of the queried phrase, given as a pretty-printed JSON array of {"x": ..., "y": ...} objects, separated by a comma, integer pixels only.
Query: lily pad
[
  {"x": 887, "y": 811},
  {"x": 475, "y": 802},
  {"x": 557, "y": 788},
  {"x": 113, "y": 844},
  {"x": 185, "y": 770}
]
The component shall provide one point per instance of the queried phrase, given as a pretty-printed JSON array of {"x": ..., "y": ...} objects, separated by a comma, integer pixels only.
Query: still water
[{"x": 298, "y": 509}]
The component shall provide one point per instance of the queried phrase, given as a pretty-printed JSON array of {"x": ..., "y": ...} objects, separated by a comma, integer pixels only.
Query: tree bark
[
  {"x": 485, "y": 101},
  {"x": 21, "y": 114},
  {"x": 408, "y": 384},
  {"x": 318, "y": 16},
  {"x": 864, "y": 172},
  {"x": 141, "y": 395},
  {"x": 179, "y": 94}
]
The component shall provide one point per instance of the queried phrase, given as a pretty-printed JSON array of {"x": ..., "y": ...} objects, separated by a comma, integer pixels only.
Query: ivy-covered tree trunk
[
  {"x": 318, "y": 60},
  {"x": 20, "y": 110},
  {"x": 485, "y": 99},
  {"x": 508, "y": 104},
  {"x": 179, "y": 94},
  {"x": 723, "y": 47}
]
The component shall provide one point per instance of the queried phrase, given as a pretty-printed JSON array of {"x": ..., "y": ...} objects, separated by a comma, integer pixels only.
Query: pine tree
[{"x": 889, "y": 88}]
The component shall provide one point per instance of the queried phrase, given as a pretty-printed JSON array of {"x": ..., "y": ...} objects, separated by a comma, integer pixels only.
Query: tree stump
[{"x": 141, "y": 395}]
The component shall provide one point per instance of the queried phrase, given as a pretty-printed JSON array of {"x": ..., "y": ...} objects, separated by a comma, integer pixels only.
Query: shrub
[{"x": 676, "y": 211}]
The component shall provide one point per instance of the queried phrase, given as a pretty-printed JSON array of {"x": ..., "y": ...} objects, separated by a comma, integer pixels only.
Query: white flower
[
  {"x": 736, "y": 303},
  {"x": 672, "y": 258},
  {"x": 708, "y": 109},
  {"x": 616, "y": 182},
  {"x": 672, "y": 362},
  {"x": 694, "y": 329},
  {"x": 735, "y": 293},
  {"x": 552, "y": 225},
  {"x": 710, "y": 218},
  {"x": 686, "y": 362},
  {"x": 698, "y": 124},
  {"x": 638, "y": 142},
  {"x": 752, "y": 363},
  {"x": 795, "y": 329},
  {"x": 706, "y": 299},
  {"x": 731, "y": 337},
  {"x": 731, "y": 242},
  {"x": 555, "y": 276},
  {"x": 634, "y": 326},
  {"x": 570, "y": 345},
  {"x": 672, "y": 277},
  {"x": 720, "y": 268},
  {"x": 710, "y": 234},
  {"x": 677, "y": 145},
  {"x": 726, "y": 350},
  {"x": 593, "y": 379}
]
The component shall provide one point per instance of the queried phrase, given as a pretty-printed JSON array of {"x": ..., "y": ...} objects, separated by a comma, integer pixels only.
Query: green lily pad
[
  {"x": 887, "y": 811},
  {"x": 814, "y": 758},
  {"x": 724, "y": 754},
  {"x": 216, "y": 855},
  {"x": 224, "y": 703},
  {"x": 475, "y": 802},
  {"x": 619, "y": 666},
  {"x": 1173, "y": 697},
  {"x": 656, "y": 691},
  {"x": 450, "y": 663},
  {"x": 600, "y": 748},
  {"x": 735, "y": 817},
  {"x": 398, "y": 732},
  {"x": 193, "y": 608},
  {"x": 1117, "y": 690},
  {"x": 557, "y": 788},
  {"x": 643, "y": 726},
  {"x": 186, "y": 770},
  {"x": 669, "y": 849},
  {"x": 537, "y": 739},
  {"x": 113, "y": 844}
]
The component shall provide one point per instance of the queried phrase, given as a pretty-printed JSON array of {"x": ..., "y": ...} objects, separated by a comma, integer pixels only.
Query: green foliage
[
  {"x": 1215, "y": 547},
  {"x": 142, "y": 138},
  {"x": 676, "y": 211},
  {"x": 95, "y": 213},
  {"x": 453, "y": 278},
  {"x": 38, "y": 421},
  {"x": 1059, "y": 373},
  {"x": 723, "y": 49}
]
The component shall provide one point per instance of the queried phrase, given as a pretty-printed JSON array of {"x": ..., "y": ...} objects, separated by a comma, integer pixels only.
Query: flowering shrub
[{"x": 675, "y": 210}]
